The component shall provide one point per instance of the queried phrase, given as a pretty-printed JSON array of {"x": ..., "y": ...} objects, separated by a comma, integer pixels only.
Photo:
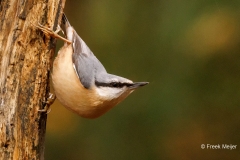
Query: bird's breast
[{"x": 69, "y": 90}]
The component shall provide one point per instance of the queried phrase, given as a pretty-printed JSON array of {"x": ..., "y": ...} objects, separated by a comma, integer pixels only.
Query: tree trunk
[{"x": 25, "y": 61}]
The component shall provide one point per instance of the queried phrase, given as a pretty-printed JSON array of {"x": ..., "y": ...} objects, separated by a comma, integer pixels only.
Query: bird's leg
[
  {"x": 51, "y": 98},
  {"x": 50, "y": 32}
]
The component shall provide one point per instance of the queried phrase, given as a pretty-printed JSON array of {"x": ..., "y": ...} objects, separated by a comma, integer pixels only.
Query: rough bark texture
[{"x": 25, "y": 63}]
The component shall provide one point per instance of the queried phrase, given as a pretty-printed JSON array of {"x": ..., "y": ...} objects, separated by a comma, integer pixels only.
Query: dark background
[{"x": 189, "y": 51}]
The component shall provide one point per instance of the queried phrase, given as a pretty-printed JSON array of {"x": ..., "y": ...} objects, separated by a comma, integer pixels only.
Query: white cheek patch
[{"x": 109, "y": 93}]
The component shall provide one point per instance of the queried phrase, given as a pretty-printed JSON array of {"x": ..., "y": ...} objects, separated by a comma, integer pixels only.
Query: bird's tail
[{"x": 65, "y": 23}]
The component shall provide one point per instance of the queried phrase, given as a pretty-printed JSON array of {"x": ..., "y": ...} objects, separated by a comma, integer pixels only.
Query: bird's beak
[{"x": 136, "y": 85}]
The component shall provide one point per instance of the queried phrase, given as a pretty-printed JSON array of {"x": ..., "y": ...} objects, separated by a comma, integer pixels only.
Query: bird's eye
[{"x": 115, "y": 84}]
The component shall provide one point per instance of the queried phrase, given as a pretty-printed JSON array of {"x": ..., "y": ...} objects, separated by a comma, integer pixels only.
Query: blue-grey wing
[{"x": 85, "y": 62}]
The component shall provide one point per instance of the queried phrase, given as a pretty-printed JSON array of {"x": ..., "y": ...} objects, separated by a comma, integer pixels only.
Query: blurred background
[{"x": 189, "y": 51}]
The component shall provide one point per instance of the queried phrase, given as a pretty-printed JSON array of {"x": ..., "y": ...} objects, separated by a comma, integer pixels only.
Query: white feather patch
[
  {"x": 109, "y": 93},
  {"x": 75, "y": 70}
]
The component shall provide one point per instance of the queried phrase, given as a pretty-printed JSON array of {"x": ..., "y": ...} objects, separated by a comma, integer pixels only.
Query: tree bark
[{"x": 25, "y": 61}]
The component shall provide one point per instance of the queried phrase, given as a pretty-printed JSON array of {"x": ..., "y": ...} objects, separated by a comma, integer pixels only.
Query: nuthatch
[{"x": 81, "y": 82}]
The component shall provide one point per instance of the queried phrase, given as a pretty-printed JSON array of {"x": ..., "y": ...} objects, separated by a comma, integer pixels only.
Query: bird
[{"x": 80, "y": 81}]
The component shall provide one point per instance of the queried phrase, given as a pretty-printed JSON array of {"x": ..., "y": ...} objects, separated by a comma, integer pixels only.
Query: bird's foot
[
  {"x": 51, "y": 98},
  {"x": 50, "y": 32}
]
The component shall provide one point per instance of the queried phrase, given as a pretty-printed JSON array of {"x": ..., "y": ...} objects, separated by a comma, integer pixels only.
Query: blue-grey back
[{"x": 87, "y": 66}]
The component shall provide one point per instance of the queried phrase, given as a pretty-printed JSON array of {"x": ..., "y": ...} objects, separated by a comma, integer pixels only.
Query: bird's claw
[
  {"x": 51, "y": 98},
  {"x": 50, "y": 32}
]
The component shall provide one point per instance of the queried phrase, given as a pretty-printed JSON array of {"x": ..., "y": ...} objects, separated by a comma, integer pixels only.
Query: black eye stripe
[{"x": 112, "y": 84}]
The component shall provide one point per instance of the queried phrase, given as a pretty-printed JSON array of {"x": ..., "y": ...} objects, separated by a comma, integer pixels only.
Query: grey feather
[
  {"x": 89, "y": 69},
  {"x": 87, "y": 65}
]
